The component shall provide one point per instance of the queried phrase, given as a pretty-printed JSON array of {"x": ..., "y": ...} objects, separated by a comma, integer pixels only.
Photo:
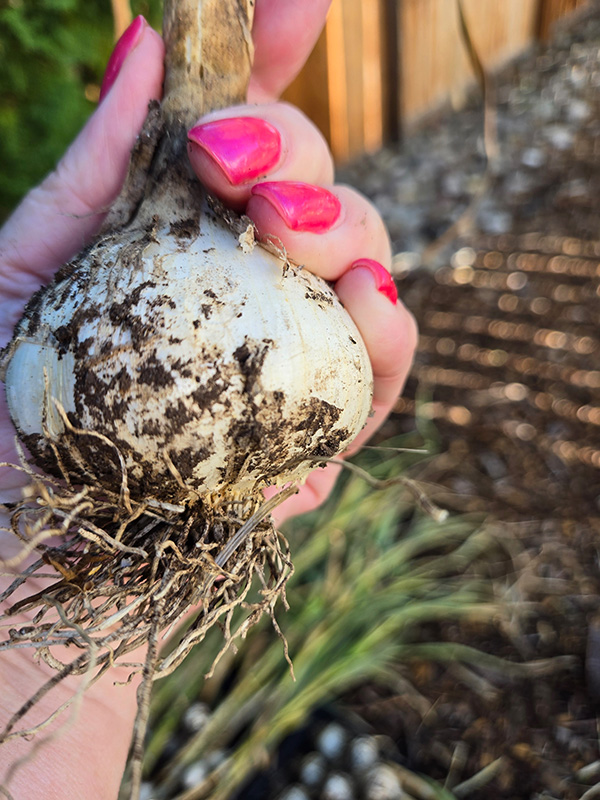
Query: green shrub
[{"x": 53, "y": 54}]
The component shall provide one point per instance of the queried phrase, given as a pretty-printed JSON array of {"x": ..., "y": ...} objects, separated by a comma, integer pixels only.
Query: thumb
[{"x": 58, "y": 217}]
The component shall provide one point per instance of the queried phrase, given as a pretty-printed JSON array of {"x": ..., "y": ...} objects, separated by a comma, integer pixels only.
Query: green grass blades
[{"x": 370, "y": 571}]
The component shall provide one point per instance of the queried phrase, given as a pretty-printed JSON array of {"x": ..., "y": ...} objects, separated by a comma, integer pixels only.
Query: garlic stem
[
  {"x": 209, "y": 54},
  {"x": 208, "y": 61}
]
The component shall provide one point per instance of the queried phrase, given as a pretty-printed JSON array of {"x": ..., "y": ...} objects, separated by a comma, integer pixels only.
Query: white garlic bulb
[{"x": 196, "y": 360}]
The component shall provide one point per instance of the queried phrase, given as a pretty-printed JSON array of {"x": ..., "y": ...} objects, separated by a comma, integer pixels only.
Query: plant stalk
[{"x": 208, "y": 59}]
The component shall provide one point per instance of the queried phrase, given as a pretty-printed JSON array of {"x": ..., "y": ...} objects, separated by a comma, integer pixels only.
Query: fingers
[
  {"x": 252, "y": 156},
  {"x": 57, "y": 218},
  {"x": 387, "y": 328},
  {"x": 321, "y": 228},
  {"x": 233, "y": 150},
  {"x": 284, "y": 34}
]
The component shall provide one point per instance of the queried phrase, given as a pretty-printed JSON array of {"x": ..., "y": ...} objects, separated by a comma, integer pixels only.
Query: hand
[{"x": 63, "y": 213}]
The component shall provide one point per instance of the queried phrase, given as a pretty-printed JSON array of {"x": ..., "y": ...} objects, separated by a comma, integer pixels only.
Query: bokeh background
[
  {"x": 378, "y": 68},
  {"x": 434, "y": 659}
]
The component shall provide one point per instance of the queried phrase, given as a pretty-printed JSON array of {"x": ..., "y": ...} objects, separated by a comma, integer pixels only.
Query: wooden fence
[{"x": 382, "y": 64}]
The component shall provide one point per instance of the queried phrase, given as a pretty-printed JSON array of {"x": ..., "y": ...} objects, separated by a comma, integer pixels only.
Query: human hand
[{"x": 65, "y": 211}]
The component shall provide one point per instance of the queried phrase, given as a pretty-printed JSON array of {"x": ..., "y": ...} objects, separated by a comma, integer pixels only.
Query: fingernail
[
  {"x": 383, "y": 280},
  {"x": 123, "y": 47},
  {"x": 302, "y": 206},
  {"x": 244, "y": 147}
]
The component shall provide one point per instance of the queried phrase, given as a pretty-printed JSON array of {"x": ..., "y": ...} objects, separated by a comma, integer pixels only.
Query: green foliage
[{"x": 53, "y": 54}]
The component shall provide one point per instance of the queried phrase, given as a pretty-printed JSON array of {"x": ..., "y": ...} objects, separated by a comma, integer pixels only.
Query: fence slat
[
  {"x": 373, "y": 55},
  {"x": 552, "y": 10},
  {"x": 434, "y": 63},
  {"x": 380, "y": 58}
]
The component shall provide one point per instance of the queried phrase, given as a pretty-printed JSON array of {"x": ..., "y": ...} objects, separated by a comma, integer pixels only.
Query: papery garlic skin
[{"x": 210, "y": 369}]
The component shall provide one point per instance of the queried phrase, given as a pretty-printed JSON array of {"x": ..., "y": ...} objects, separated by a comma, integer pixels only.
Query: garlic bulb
[
  {"x": 194, "y": 359},
  {"x": 173, "y": 351}
]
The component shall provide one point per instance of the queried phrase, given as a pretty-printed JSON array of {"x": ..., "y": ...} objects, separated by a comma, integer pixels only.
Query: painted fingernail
[
  {"x": 244, "y": 147},
  {"x": 123, "y": 47},
  {"x": 302, "y": 206},
  {"x": 383, "y": 280}
]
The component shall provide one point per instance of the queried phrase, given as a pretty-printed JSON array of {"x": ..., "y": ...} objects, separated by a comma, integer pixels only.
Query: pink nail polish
[
  {"x": 383, "y": 280},
  {"x": 123, "y": 47},
  {"x": 244, "y": 147},
  {"x": 302, "y": 206}
]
